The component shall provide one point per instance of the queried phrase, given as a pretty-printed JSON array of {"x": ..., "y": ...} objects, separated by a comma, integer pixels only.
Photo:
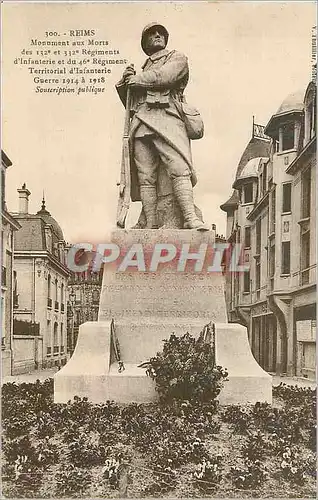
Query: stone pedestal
[{"x": 147, "y": 307}]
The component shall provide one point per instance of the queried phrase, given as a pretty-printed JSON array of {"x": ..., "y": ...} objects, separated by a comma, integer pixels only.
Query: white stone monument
[{"x": 147, "y": 307}]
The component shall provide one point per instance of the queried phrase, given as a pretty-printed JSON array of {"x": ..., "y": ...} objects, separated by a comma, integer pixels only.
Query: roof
[
  {"x": 231, "y": 203},
  {"x": 47, "y": 217},
  {"x": 256, "y": 148},
  {"x": 251, "y": 170},
  {"x": 293, "y": 103},
  {"x": 31, "y": 236}
]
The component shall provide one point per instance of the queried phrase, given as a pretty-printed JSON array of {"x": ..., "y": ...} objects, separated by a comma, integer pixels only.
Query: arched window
[
  {"x": 49, "y": 338},
  {"x": 49, "y": 287},
  {"x": 55, "y": 335}
]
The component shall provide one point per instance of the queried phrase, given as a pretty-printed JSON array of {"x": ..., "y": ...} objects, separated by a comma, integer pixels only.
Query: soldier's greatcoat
[{"x": 154, "y": 107}]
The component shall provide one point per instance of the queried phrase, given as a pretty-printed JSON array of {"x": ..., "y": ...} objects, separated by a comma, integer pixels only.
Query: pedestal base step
[{"x": 90, "y": 373}]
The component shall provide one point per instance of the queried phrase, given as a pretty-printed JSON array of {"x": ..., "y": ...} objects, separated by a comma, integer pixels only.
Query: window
[
  {"x": 264, "y": 186},
  {"x": 49, "y": 337},
  {"x": 3, "y": 189},
  {"x": 288, "y": 136},
  {"x": 248, "y": 192},
  {"x": 246, "y": 281},
  {"x": 258, "y": 236},
  {"x": 15, "y": 290},
  {"x": 272, "y": 260},
  {"x": 247, "y": 237},
  {"x": 258, "y": 274},
  {"x": 261, "y": 185},
  {"x": 62, "y": 293},
  {"x": 3, "y": 334},
  {"x": 286, "y": 257},
  {"x": 62, "y": 333},
  {"x": 56, "y": 293},
  {"x": 305, "y": 257},
  {"x": 49, "y": 287},
  {"x": 273, "y": 211},
  {"x": 55, "y": 335},
  {"x": 306, "y": 193},
  {"x": 310, "y": 117},
  {"x": 287, "y": 197}
]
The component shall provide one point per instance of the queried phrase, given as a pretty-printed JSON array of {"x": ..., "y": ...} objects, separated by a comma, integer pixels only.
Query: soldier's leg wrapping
[
  {"x": 147, "y": 159},
  {"x": 179, "y": 172}
]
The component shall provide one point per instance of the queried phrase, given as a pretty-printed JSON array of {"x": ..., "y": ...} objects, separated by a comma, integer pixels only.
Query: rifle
[{"x": 124, "y": 185}]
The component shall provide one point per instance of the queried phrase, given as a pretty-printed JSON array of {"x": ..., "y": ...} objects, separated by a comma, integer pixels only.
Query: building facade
[
  {"x": 8, "y": 292},
  {"x": 41, "y": 277},
  {"x": 271, "y": 213},
  {"x": 84, "y": 290}
]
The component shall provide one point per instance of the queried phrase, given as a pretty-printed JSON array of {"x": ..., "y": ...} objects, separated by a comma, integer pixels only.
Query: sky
[{"x": 244, "y": 58}]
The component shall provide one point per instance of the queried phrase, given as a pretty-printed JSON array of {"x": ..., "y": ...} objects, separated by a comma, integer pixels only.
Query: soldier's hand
[
  {"x": 131, "y": 80},
  {"x": 129, "y": 71}
]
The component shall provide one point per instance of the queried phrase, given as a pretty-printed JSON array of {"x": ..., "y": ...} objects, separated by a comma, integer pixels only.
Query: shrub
[
  {"x": 251, "y": 476},
  {"x": 208, "y": 474},
  {"x": 71, "y": 480},
  {"x": 85, "y": 450},
  {"x": 186, "y": 370},
  {"x": 238, "y": 417},
  {"x": 256, "y": 447},
  {"x": 164, "y": 480},
  {"x": 117, "y": 464},
  {"x": 111, "y": 472},
  {"x": 28, "y": 479},
  {"x": 18, "y": 447},
  {"x": 292, "y": 467}
]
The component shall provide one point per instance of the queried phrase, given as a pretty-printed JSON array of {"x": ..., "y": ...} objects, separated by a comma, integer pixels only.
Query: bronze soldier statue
[{"x": 158, "y": 135}]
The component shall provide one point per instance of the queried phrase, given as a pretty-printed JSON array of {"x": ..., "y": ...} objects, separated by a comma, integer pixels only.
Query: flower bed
[{"x": 180, "y": 449}]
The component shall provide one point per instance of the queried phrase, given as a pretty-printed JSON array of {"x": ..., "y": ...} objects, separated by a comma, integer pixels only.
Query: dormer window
[
  {"x": 287, "y": 137},
  {"x": 248, "y": 193},
  {"x": 310, "y": 115}
]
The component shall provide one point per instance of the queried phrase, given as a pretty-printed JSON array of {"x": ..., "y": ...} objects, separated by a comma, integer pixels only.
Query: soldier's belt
[{"x": 157, "y": 98}]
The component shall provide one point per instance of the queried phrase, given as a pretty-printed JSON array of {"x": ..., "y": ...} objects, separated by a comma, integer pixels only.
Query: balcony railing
[
  {"x": 49, "y": 302},
  {"x": 56, "y": 349},
  {"x": 3, "y": 276},
  {"x": 56, "y": 305},
  {"x": 49, "y": 351},
  {"x": 62, "y": 307},
  {"x": 21, "y": 327}
]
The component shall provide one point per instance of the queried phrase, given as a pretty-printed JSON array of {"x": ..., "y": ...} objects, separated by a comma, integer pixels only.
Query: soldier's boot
[
  {"x": 148, "y": 195},
  {"x": 183, "y": 192}
]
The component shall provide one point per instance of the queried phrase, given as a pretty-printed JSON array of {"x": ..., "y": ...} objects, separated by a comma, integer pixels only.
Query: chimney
[{"x": 24, "y": 194}]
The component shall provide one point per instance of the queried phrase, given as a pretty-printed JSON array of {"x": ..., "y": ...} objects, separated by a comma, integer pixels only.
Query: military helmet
[{"x": 149, "y": 27}]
